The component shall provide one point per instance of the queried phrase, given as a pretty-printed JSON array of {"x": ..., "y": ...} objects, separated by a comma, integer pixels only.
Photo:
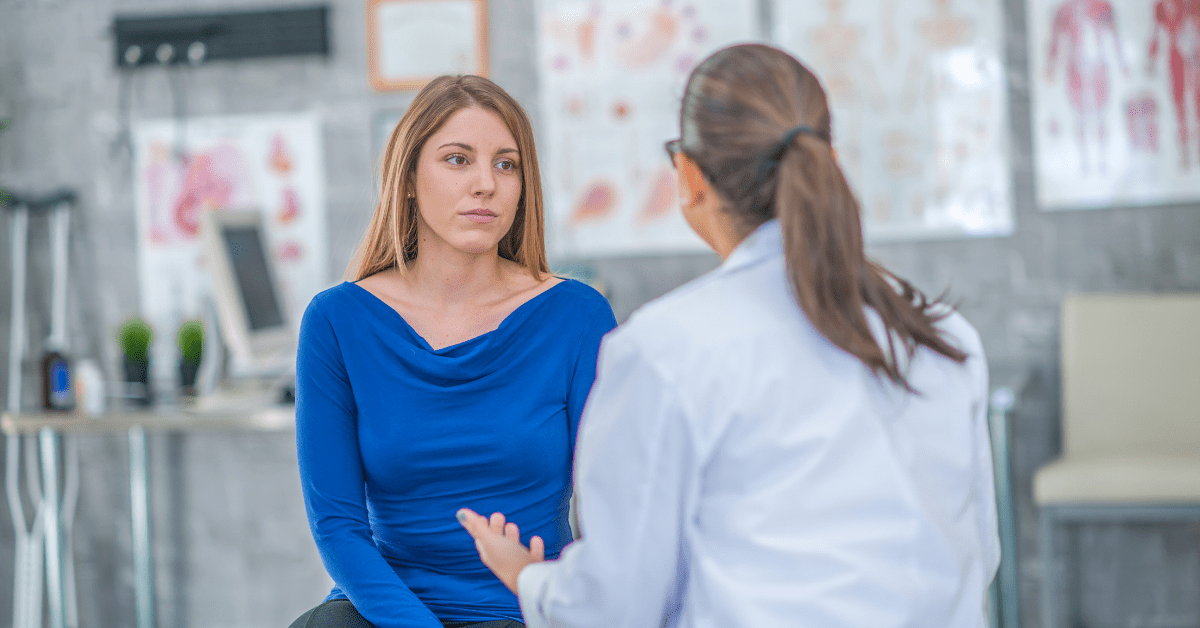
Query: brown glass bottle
[{"x": 57, "y": 390}]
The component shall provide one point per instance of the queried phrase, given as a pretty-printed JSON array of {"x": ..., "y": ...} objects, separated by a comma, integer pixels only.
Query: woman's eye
[
  {"x": 507, "y": 165},
  {"x": 457, "y": 160}
]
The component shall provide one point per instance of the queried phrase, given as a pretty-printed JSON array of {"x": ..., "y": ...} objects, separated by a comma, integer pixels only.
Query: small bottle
[
  {"x": 89, "y": 387},
  {"x": 57, "y": 390}
]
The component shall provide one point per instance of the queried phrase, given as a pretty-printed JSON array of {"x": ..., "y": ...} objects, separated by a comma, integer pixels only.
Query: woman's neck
[{"x": 443, "y": 277}]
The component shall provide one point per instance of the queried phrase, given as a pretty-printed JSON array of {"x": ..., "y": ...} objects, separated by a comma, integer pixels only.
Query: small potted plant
[
  {"x": 135, "y": 336},
  {"x": 191, "y": 349}
]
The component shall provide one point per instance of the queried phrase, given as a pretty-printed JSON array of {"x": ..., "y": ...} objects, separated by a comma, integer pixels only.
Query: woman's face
[{"x": 468, "y": 183}]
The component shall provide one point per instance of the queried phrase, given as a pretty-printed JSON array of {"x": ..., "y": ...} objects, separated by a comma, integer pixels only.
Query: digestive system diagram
[{"x": 612, "y": 75}]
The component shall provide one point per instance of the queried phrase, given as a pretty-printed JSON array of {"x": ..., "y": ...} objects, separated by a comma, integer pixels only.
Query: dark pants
[{"x": 342, "y": 614}]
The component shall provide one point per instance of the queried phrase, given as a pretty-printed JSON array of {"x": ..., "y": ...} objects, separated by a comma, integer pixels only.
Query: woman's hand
[{"x": 499, "y": 545}]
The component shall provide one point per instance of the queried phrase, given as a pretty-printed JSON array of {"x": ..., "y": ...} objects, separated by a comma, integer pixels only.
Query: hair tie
[
  {"x": 771, "y": 160},
  {"x": 790, "y": 136}
]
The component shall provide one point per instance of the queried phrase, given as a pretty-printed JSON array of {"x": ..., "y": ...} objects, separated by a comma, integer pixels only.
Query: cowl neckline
[{"x": 464, "y": 361}]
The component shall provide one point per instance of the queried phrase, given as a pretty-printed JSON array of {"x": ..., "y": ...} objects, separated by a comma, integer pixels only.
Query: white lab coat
[{"x": 736, "y": 469}]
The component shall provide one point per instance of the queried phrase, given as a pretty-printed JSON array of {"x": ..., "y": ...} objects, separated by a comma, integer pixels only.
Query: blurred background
[{"x": 1011, "y": 152}]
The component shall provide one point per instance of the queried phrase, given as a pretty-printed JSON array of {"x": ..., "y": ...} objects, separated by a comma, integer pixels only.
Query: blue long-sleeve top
[{"x": 393, "y": 437}]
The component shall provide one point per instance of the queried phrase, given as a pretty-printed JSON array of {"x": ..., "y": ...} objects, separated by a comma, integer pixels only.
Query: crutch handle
[{"x": 50, "y": 201}]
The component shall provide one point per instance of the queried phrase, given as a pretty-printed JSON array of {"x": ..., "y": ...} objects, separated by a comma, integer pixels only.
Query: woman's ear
[
  {"x": 693, "y": 187},
  {"x": 701, "y": 208}
]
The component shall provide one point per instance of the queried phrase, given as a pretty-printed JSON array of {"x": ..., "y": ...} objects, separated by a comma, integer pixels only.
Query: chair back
[{"x": 1131, "y": 374}]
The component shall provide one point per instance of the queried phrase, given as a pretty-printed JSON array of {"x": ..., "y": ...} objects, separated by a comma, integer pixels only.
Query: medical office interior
[{"x": 1040, "y": 159}]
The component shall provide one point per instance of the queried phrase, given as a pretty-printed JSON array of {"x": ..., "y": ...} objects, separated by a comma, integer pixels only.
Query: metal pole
[
  {"x": 53, "y": 532},
  {"x": 1001, "y": 405},
  {"x": 1049, "y": 584},
  {"x": 60, "y": 229},
  {"x": 143, "y": 559},
  {"x": 70, "y": 499},
  {"x": 16, "y": 335}
]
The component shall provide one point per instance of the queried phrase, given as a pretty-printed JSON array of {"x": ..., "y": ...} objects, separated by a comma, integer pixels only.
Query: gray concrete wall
[{"x": 232, "y": 547}]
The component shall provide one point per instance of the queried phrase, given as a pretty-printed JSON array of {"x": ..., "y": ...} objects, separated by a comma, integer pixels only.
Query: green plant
[
  {"x": 191, "y": 340},
  {"x": 135, "y": 336}
]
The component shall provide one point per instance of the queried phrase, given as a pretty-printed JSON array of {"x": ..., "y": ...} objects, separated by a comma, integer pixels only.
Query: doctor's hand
[{"x": 499, "y": 545}]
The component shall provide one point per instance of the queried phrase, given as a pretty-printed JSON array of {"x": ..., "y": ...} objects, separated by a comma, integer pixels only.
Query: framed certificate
[{"x": 410, "y": 42}]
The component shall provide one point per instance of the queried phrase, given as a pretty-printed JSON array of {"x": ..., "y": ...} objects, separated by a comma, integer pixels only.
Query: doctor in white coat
[{"x": 797, "y": 438}]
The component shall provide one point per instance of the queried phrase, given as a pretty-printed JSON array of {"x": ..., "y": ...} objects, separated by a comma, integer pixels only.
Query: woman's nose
[{"x": 486, "y": 182}]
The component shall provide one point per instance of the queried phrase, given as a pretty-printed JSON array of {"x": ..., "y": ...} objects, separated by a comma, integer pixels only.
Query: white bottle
[{"x": 89, "y": 387}]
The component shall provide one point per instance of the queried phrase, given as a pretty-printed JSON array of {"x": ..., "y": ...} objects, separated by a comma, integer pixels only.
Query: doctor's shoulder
[{"x": 700, "y": 320}]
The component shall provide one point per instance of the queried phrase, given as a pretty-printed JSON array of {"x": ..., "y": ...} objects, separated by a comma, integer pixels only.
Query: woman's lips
[{"x": 480, "y": 215}]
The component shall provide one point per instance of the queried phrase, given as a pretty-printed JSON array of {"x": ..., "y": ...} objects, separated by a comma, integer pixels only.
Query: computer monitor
[{"x": 250, "y": 307}]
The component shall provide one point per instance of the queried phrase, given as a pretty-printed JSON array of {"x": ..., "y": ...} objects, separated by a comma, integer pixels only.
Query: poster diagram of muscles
[
  {"x": 917, "y": 93},
  {"x": 1116, "y": 95},
  {"x": 612, "y": 75},
  {"x": 272, "y": 164}
]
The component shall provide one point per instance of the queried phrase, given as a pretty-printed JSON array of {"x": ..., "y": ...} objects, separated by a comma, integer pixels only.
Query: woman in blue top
[{"x": 452, "y": 371}]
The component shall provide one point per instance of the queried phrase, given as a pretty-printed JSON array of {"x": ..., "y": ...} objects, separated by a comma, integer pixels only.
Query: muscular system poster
[
  {"x": 1116, "y": 95},
  {"x": 612, "y": 75},
  {"x": 917, "y": 93}
]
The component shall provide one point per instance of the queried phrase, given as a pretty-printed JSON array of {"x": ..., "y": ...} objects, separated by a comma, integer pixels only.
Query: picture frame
[{"x": 410, "y": 42}]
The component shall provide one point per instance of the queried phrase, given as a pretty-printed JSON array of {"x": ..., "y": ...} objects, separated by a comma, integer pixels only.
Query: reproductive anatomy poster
[
  {"x": 1116, "y": 101},
  {"x": 269, "y": 163},
  {"x": 612, "y": 76},
  {"x": 917, "y": 94}
]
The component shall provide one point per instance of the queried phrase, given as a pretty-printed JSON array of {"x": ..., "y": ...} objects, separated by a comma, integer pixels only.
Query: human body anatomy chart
[
  {"x": 612, "y": 75},
  {"x": 1116, "y": 95},
  {"x": 272, "y": 164},
  {"x": 917, "y": 95}
]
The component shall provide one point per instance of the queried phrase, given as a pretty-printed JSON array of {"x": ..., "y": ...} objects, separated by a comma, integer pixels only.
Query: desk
[{"x": 245, "y": 413}]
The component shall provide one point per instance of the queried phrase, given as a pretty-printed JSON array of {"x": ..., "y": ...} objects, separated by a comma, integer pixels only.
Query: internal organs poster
[
  {"x": 1116, "y": 94},
  {"x": 917, "y": 93},
  {"x": 269, "y": 163},
  {"x": 612, "y": 76}
]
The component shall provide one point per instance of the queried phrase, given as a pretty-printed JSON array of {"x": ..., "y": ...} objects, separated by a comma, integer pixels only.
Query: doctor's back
[
  {"x": 798, "y": 438},
  {"x": 816, "y": 486}
]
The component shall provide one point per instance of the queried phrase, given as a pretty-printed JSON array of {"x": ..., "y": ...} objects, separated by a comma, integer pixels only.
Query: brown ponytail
[{"x": 741, "y": 112}]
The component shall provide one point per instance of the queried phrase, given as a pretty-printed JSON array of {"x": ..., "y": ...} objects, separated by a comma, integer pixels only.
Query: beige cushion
[
  {"x": 1142, "y": 479},
  {"x": 1131, "y": 400},
  {"x": 1131, "y": 374}
]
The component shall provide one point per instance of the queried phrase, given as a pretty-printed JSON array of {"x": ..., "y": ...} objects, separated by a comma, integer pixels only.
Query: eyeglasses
[{"x": 673, "y": 148}]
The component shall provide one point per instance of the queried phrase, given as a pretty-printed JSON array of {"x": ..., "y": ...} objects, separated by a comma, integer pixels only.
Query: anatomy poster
[
  {"x": 269, "y": 163},
  {"x": 612, "y": 76},
  {"x": 917, "y": 93},
  {"x": 1116, "y": 95}
]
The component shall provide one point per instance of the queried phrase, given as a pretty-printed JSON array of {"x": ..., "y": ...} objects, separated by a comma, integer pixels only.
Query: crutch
[
  {"x": 27, "y": 579},
  {"x": 55, "y": 515},
  {"x": 60, "y": 512}
]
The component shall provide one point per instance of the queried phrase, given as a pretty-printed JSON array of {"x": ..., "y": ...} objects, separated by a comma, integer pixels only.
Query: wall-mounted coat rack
[{"x": 202, "y": 37}]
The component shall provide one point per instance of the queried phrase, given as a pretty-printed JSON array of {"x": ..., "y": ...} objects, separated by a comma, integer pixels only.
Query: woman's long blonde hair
[{"x": 391, "y": 238}]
